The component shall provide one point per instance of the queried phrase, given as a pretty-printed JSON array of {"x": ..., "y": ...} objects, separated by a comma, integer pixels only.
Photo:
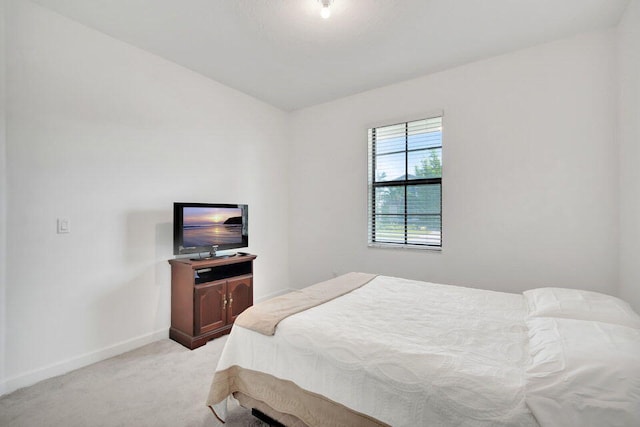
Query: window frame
[{"x": 406, "y": 183}]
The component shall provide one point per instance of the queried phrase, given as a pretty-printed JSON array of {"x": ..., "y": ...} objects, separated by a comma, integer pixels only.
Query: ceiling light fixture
[{"x": 325, "y": 12}]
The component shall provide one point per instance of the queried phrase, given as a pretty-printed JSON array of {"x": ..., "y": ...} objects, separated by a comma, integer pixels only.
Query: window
[{"x": 405, "y": 184}]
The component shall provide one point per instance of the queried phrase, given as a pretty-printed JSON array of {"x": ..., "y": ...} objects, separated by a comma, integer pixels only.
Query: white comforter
[
  {"x": 584, "y": 369},
  {"x": 405, "y": 352}
]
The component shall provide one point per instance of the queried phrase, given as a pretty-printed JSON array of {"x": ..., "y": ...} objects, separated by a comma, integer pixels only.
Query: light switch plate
[{"x": 64, "y": 225}]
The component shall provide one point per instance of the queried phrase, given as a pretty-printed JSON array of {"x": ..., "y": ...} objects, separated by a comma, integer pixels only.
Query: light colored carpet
[{"x": 160, "y": 384}]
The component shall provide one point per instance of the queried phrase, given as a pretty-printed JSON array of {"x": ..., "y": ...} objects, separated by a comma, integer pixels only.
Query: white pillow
[
  {"x": 583, "y": 373},
  {"x": 579, "y": 304}
]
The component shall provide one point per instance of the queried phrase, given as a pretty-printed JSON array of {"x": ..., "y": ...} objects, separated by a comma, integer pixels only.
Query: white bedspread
[
  {"x": 408, "y": 353},
  {"x": 583, "y": 373}
]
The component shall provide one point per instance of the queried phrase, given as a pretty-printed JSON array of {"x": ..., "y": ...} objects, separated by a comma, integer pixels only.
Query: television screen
[{"x": 199, "y": 227}]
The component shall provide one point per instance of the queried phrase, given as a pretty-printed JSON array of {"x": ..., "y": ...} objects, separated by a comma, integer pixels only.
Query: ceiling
[{"x": 284, "y": 53}]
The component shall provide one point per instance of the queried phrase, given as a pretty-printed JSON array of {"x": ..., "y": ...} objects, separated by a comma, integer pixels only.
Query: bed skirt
[{"x": 282, "y": 400}]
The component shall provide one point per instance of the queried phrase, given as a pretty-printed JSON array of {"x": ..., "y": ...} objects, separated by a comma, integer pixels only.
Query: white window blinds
[{"x": 405, "y": 184}]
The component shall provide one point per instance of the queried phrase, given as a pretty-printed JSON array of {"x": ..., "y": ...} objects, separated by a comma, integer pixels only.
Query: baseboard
[
  {"x": 59, "y": 368},
  {"x": 274, "y": 294}
]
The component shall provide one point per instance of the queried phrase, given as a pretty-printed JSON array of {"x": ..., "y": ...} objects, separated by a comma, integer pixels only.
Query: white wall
[
  {"x": 529, "y": 173},
  {"x": 110, "y": 136},
  {"x": 3, "y": 203},
  {"x": 629, "y": 139}
]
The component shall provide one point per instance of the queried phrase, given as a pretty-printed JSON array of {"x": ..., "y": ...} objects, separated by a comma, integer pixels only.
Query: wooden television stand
[{"x": 207, "y": 295}]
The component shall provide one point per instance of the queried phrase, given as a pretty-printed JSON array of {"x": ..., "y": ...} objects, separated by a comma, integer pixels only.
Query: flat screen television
[{"x": 209, "y": 227}]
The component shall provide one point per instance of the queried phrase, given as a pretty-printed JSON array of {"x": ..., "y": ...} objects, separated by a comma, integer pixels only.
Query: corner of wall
[
  {"x": 3, "y": 200},
  {"x": 627, "y": 137}
]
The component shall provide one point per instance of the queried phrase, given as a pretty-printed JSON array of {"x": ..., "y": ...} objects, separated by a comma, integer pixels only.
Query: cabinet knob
[{"x": 224, "y": 305}]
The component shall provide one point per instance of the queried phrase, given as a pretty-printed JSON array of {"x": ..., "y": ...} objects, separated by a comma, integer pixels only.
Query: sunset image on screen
[{"x": 211, "y": 226}]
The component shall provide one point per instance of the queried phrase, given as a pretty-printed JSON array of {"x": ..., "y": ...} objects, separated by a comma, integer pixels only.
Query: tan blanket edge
[
  {"x": 265, "y": 316},
  {"x": 286, "y": 397}
]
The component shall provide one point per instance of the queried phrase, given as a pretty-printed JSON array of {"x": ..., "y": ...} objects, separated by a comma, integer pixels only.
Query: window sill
[{"x": 410, "y": 247}]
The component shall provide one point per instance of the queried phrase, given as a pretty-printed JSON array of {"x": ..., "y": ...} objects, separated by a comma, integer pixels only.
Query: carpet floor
[{"x": 160, "y": 384}]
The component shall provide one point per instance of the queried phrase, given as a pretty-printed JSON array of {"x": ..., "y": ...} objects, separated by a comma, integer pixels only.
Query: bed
[{"x": 366, "y": 350}]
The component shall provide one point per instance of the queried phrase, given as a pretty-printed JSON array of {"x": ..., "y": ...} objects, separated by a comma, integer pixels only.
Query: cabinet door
[
  {"x": 210, "y": 306},
  {"x": 240, "y": 290}
]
